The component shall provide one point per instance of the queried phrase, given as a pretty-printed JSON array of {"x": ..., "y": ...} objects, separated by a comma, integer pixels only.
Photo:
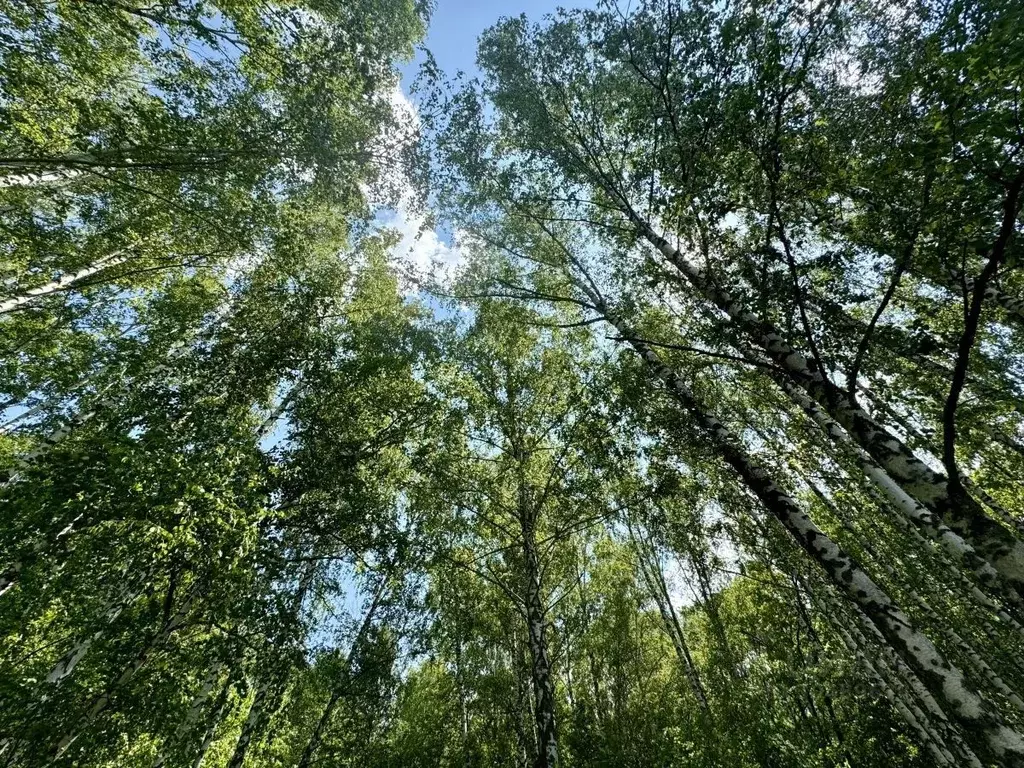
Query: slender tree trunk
[
  {"x": 195, "y": 710},
  {"x": 543, "y": 682},
  {"x": 269, "y": 424},
  {"x": 100, "y": 703},
  {"x": 66, "y": 282},
  {"x": 653, "y": 576},
  {"x": 932, "y": 489},
  {"x": 253, "y": 723},
  {"x": 342, "y": 684},
  {"x": 39, "y": 178},
  {"x": 67, "y": 663},
  {"x": 314, "y": 741},
  {"x": 916, "y": 513},
  {"x": 975, "y": 716},
  {"x": 211, "y": 730},
  {"x": 460, "y": 682}
]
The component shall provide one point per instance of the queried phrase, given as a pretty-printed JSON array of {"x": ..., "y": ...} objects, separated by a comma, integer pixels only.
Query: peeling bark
[
  {"x": 39, "y": 178},
  {"x": 962, "y": 514},
  {"x": 982, "y": 723}
]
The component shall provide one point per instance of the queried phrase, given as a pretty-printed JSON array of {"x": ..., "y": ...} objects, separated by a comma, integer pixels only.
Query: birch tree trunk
[
  {"x": 342, "y": 684},
  {"x": 951, "y": 542},
  {"x": 543, "y": 682},
  {"x": 959, "y": 511},
  {"x": 908, "y": 709},
  {"x": 253, "y": 723},
  {"x": 966, "y": 648},
  {"x": 976, "y": 717},
  {"x": 100, "y": 703},
  {"x": 211, "y": 730},
  {"x": 67, "y": 281},
  {"x": 39, "y": 178},
  {"x": 653, "y": 576},
  {"x": 67, "y": 663},
  {"x": 192, "y": 716}
]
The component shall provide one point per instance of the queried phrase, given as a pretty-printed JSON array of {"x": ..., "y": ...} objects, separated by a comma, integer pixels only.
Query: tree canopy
[{"x": 710, "y": 451}]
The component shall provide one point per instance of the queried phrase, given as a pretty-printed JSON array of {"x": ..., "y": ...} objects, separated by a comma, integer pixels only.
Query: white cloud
[{"x": 422, "y": 254}]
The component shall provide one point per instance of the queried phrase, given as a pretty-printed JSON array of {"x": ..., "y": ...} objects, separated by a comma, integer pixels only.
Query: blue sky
[
  {"x": 456, "y": 25},
  {"x": 452, "y": 38}
]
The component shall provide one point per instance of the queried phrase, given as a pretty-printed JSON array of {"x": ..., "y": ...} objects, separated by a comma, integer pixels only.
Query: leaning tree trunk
[
  {"x": 39, "y": 178},
  {"x": 916, "y": 513},
  {"x": 979, "y": 721},
  {"x": 254, "y": 721},
  {"x": 908, "y": 709},
  {"x": 211, "y": 730},
  {"x": 101, "y": 702},
  {"x": 960, "y": 512},
  {"x": 66, "y": 282},
  {"x": 342, "y": 684},
  {"x": 966, "y": 648},
  {"x": 191, "y": 718},
  {"x": 654, "y": 578},
  {"x": 67, "y": 663}
]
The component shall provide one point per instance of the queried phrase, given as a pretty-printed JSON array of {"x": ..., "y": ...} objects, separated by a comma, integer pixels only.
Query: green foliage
[{"x": 263, "y": 507}]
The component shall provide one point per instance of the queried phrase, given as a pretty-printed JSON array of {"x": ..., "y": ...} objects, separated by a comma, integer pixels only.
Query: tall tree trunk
[
  {"x": 543, "y": 681},
  {"x": 195, "y": 710},
  {"x": 960, "y": 512},
  {"x": 978, "y": 720},
  {"x": 39, "y": 178},
  {"x": 66, "y": 282},
  {"x": 211, "y": 730},
  {"x": 345, "y": 678},
  {"x": 102, "y": 702},
  {"x": 966, "y": 648},
  {"x": 654, "y": 578},
  {"x": 67, "y": 663},
  {"x": 254, "y": 721},
  {"x": 460, "y": 682},
  {"x": 911, "y": 713},
  {"x": 899, "y": 499}
]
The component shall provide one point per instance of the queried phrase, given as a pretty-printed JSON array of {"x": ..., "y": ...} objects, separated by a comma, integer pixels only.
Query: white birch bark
[
  {"x": 984, "y": 724},
  {"x": 195, "y": 709},
  {"x": 101, "y": 702},
  {"x": 211, "y": 730},
  {"x": 963, "y": 515},
  {"x": 543, "y": 682},
  {"x": 65, "y": 282},
  {"x": 253, "y": 722},
  {"x": 39, "y": 178},
  {"x": 965, "y": 648},
  {"x": 954, "y": 544},
  {"x": 909, "y": 711}
]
